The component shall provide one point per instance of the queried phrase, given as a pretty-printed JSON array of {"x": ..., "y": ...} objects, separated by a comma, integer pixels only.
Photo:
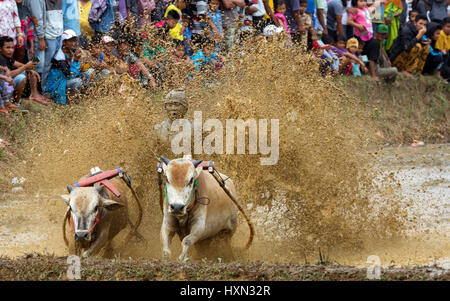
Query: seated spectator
[
  {"x": 339, "y": 47},
  {"x": 129, "y": 62},
  {"x": 379, "y": 62},
  {"x": 412, "y": 15},
  {"x": 187, "y": 33},
  {"x": 6, "y": 89},
  {"x": 329, "y": 60},
  {"x": 19, "y": 72},
  {"x": 410, "y": 49},
  {"x": 64, "y": 76},
  {"x": 179, "y": 53},
  {"x": 206, "y": 58},
  {"x": 443, "y": 42},
  {"x": 435, "y": 58},
  {"x": 177, "y": 6},
  {"x": 97, "y": 53},
  {"x": 173, "y": 26}
]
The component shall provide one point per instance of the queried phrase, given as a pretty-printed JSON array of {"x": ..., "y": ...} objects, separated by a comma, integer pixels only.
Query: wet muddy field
[{"x": 31, "y": 237}]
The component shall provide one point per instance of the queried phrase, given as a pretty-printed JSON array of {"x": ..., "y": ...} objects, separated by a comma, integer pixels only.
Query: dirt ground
[{"x": 39, "y": 267}]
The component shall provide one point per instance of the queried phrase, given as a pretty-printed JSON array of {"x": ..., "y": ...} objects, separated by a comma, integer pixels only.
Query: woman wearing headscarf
[
  {"x": 392, "y": 14},
  {"x": 435, "y": 58}
]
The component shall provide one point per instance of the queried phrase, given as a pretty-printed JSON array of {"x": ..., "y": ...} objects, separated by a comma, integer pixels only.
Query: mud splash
[{"x": 324, "y": 178}]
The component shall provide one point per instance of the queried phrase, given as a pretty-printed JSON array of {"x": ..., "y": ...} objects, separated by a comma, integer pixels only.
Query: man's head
[
  {"x": 69, "y": 39},
  {"x": 7, "y": 46},
  {"x": 108, "y": 44},
  {"x": 180, "y": 49},
  {"x": 421, "y": 22},
  {"x": 124, "y": 43},
  {"x": 175, "y": 104},
  {"x": 382, "y": 32},
  {"x": 172, "y": 18},
  {"x": 303, "y": 6},
  {"x": 446, "y": 26},
  {"x": 207, "y": 46}
]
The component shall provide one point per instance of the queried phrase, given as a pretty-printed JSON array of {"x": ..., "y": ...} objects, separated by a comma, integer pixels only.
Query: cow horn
[
  {"x": 165, "y": 160},
  {"x": 196, "y": 163},
  {"x": 69, "y": 188},
  {"x": 99, "y": 188}
]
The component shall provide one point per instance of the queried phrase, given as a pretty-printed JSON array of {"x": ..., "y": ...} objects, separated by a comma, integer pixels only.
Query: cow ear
[
  {"x": 111, "y": 205},
  {"x": 66, "y": 198}
]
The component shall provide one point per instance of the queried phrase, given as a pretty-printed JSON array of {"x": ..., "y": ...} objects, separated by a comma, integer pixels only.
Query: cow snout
[
  {"x": 81, "y": 235},
  {"x": 177, "y": 208}
]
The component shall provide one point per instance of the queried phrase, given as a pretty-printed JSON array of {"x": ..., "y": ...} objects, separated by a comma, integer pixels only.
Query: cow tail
[
  {"x": 66, "y": 218},
  {"x": 250, "y": 226}
]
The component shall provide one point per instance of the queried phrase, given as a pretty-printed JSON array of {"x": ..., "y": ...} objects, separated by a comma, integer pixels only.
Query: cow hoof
[
  {"x": 183, "y": 259},
  {"x": 85, "y": 254},
  {"x": 166, "y": 256}
]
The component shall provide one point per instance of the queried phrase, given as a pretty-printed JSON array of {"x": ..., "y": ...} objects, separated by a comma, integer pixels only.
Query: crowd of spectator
[{"x": 54, "y": 48}]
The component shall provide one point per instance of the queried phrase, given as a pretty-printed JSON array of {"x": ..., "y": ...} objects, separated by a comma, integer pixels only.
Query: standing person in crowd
[
  {"x": 438, "y": 10},
  {"x": 335, "y": 11},
  {"x": 377, "y": 16},
  {"x": 229, "y": 12},
  {"x": 321, "y": 5},
  {"x": 145, "y": 11},
  {"x": 160, "y": 9},
  {"x": 10, "y": 23},
  {"x": 101, "y": 16},
  {"x": 84, "y": 7},
  {"x": 215, "y": 20},
  {"x": 26, "y": 51},
  {"x": 392, "y": 14},
  {"x": 71, "y": 16},
  {"x": 48, "y": 18},
  {"x": 421, "y": 6},
  {"x": 361, "y": 21},
  {"x": 410, "y": 49},
  {"x": 280, "y": 9},
  {"x": 18, "y": 71},
  {"x": 379, "y": 62},
  {"x": 258, "y": 12},
  {"x": 435, "y": 58},
  {"x": 298, "y": 31}
]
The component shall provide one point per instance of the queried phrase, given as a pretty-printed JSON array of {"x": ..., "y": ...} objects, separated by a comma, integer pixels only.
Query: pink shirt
[
  {"x": 283, "y": 21},
  {"x": 363, "y": 18}
]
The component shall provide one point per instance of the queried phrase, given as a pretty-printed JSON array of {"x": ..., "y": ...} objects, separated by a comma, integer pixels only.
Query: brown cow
[
  {"x": 97, "y": 215},
  {"x": 192, "y": 220}
]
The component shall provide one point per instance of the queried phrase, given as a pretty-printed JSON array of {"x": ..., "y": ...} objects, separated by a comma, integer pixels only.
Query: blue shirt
[
  {"x": 71, "y": 16},
  {"x": 200, "y": 60},
  {"x": 216, "y": 18}
]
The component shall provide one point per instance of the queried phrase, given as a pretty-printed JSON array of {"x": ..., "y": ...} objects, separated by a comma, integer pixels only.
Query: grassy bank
[{"x": 411, "y": 109}]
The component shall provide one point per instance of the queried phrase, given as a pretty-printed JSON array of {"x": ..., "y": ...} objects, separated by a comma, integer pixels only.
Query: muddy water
[
  {"x": 326, "y": 191},
  {"x": 423, "y": 175}
]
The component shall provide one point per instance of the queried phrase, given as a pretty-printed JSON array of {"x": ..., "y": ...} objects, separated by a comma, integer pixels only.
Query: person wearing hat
[
  {"x": 64, "y": 73},
  {"x": 176, "y": 106},
  {"x": 379, "y": 63}
]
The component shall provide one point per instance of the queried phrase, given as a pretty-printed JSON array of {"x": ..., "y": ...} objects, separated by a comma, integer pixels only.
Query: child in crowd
[
  {"x": 352, "y": 62},
  {"x": 6, "y": 89},
  {"x": 214, "y": 19},
  {"x": 173, "y": 26},
  {"x": 187, "y": 33},
  {"x": 206, "y": 58},
  {"x": 339, "y": 47},
  {"x": 307, "y": 24},
  {"x": 443, "y": 42},
  {"x": 361, "y": 19},
  {"x": 179, "y": 53},
  {"x": 280, "y": 9},
  {"x": 329, "y": 60}
]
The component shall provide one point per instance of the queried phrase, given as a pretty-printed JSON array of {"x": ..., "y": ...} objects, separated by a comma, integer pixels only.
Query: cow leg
[
  {"x": 190, "y": 240},
  {"x": 98, "y": 244},
  {"x": 167, "y": 233}
]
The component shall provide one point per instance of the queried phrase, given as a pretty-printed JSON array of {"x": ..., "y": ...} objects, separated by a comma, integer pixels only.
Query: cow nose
[
  {"x": 177, "y": 207},
  {"x": 82, "y": 235}
]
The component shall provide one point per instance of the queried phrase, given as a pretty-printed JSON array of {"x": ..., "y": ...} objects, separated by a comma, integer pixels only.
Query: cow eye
[
  {"x": 167, "y": 180},
  {"x": 96, "y": 208},
  {"x": 191, "y": 181}
]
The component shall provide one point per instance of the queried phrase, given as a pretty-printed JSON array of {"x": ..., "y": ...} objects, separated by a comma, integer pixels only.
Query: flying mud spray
[{"x": 316, "y": 202}]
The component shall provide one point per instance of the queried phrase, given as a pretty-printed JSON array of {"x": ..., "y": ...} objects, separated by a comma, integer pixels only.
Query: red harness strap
[{"x": 97, "y": 220}]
